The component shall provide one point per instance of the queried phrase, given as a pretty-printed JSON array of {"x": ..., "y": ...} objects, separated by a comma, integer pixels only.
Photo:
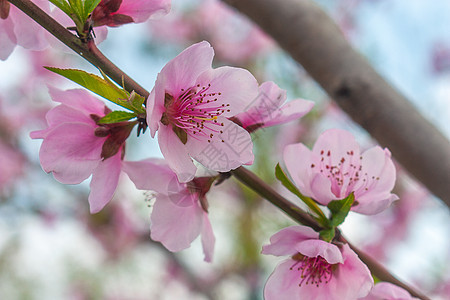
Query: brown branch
[
  {"x": 310, "y": 36},
  {"x": 381, "y": 272},
  {"x": 86, "y": 50},
  {"x": 264, "y": 190},
  {"x": 297, "y": 214}
]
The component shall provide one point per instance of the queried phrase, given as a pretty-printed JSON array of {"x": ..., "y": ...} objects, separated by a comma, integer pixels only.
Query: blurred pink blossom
[
  {"x": 234, "y": 37},
  {"x": 12, "y": 164},
  {"x": 16, "y": 28},
  {"x": 270, "y": 109},
  {"x": 388, "y": 291},
  {"x": 116, "y": 228},
  {"x": 190, "y": 106},
  {"x": 394, "y": 223},
  {"x": 316, "y": 269},
  {"x": 179, "y": 214},
  {"x": 440, "y": 57},
  {"x": 75, "y": 147},
  {"x": 176, "y": 27},
  {"x": 335, "y": 168}
]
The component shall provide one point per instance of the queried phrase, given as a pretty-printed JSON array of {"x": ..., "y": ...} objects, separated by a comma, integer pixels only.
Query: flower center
[
  {"x": 345, "y": 175},
  {"x": 195, "y": 113},
  {"x": 313, "y": 270}
]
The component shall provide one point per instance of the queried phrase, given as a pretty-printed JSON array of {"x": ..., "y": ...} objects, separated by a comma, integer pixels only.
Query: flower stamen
[{"x": 313, "y": 270}]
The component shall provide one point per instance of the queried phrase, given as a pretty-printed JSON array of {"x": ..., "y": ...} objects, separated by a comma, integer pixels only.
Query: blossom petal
[
  {"x": 283, "y": 284},
  {"x": 284, "y": 241},
  {"x": 152, "y": 174},
  {"x": 208, "y": 239},
  {"x": 352, "y": 280},
  {"x": 227, "y": 151},
  {"x": 176, "y": 155},
  {"x": 389, "y": 291},
  {"x": 104, "y": 182},
  {"x": 321, "y": 189},
  {"x": 7, "y": 37},
  {"x": 292, "y": 110},
  {"x": 71, "y": 151},
  {"x": 269, "y": 99},
  {"x": 78, "y": 99},
  {"x": 338, "y": 143},
  {"x": 29, "y": 34},
  {"x": 141, "y": 10},
  {"x": 259, "y": 111},
  {"x": 314, "y": 248},
  {"x": 267, "y": 110},
  {"x": 66, "y": 114},
  {"x": 174, "y": 226},
  {"x": 182, "y": 71},
  {"x": 178, "y": 74},
  {"x": 298, "y": 160},
  {"x": 155, "y": 109},
  {"x": 374, "y": 194},
  {"x": 237, "y": 87}
]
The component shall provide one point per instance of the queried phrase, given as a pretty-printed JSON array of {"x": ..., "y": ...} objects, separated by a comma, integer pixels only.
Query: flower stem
[{"x": 264, "y": 190}]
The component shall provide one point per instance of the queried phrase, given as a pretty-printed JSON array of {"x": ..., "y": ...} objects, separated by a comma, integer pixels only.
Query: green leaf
[
  {"x": 90, "y": 5},
  {"x": 327, "y": 234},
  {"x": 98, "y": 85},
  {"x": 282, "y": 177},
  {"x": 137, "y": 101},
  {"x": 116, "y": 117},
  {"x": 77, "y": 7},
  {"x": 63, "y": 5},
  {"x": 340, "y": 209},
  {"x": 77, "y": 10},
  {"x": 134, "y": 99}
]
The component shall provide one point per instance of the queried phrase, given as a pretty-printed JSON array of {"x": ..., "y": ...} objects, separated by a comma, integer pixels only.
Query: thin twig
[{"x": 264, "y": 190}]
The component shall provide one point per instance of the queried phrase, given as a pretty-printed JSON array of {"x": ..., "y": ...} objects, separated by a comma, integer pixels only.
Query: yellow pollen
[{"x": 206, "y": 119}]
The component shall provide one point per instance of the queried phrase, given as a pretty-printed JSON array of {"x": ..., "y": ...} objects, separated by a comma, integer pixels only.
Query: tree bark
[{"x": 312, "y": 38}]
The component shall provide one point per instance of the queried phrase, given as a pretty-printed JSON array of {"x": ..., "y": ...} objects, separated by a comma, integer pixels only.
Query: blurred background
[{"x": 52, "y": 248}]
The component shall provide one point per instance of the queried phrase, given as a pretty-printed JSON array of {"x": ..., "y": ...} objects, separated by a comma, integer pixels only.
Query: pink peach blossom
[
  {"x": 16, "y": 28},
  {"x": 235, "y": 38},
  {"x": 12, "y": 164},
  {"x": 179, "y": 213},
  {"x": 393, "y": 225},
  {"x": 440, "y": 57},
  {"x": 118, "y": 12},
  {"x": 388, "y": 291},
  {"x": 175, "y": 28},
  {"x": 335, "y": 168},
  {"x": 75, "y": 147},
  {"x": 190, "y": 106},
  {"x": 269, "y": 109},
  {"x": 315, "y": 270}
]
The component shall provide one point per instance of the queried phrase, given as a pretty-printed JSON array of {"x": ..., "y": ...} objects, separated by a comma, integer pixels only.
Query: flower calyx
[
  {"x": 116, "y": 135},
  {"x": 201, "y": 186},
  {"x": 104, "y": 14},
  {"x": 4, "y": 9}
]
